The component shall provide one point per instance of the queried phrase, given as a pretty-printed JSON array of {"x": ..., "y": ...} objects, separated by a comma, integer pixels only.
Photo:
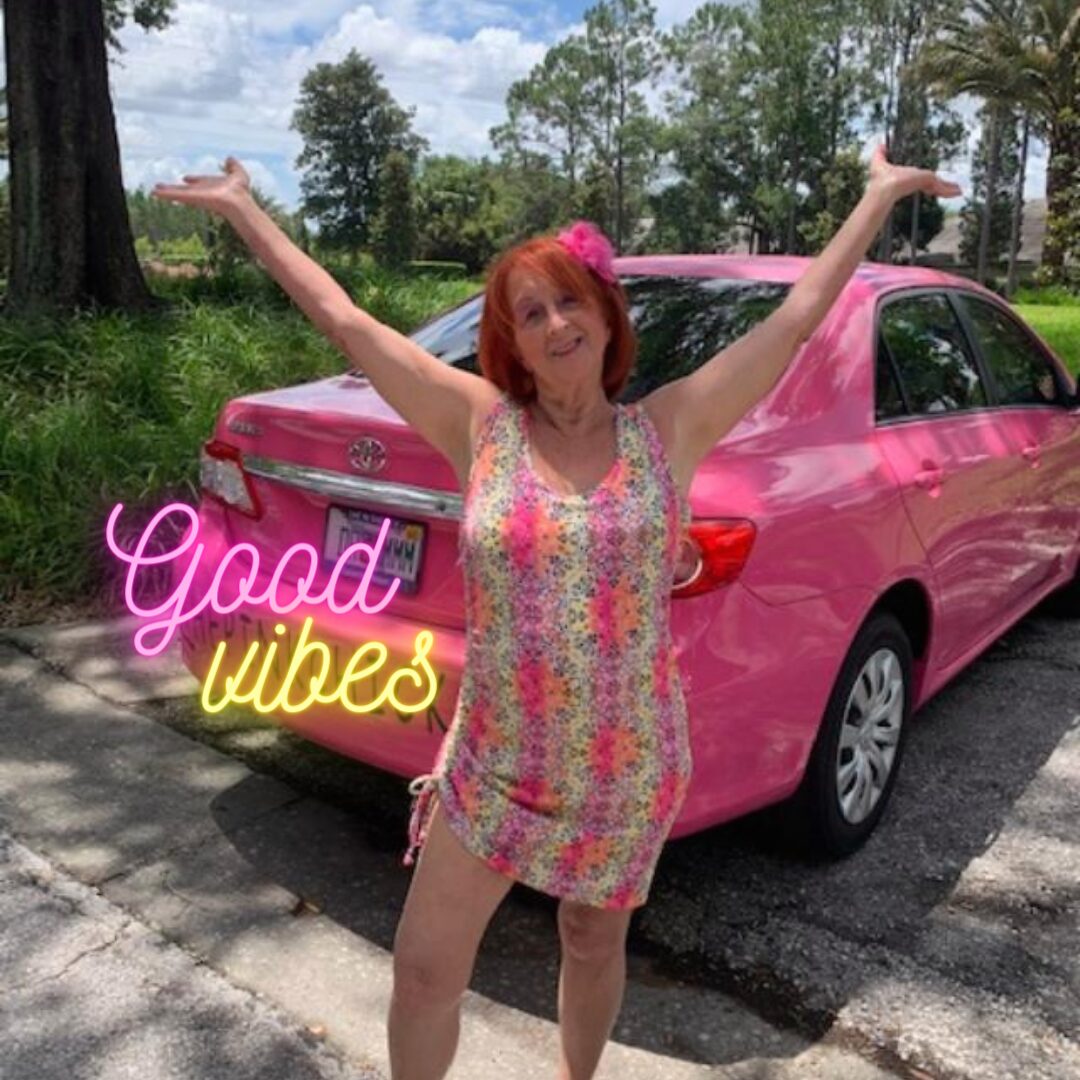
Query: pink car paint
[{"x": 943, "y": 517}]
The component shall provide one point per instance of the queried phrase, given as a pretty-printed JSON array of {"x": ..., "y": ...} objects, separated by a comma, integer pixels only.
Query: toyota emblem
[{"x": 368, "y": 455}]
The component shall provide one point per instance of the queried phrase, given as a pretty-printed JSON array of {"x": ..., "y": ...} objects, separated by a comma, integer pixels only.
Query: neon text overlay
[
  {"x": 359, "y": 667},
  {"x": 174, "y": 611}
]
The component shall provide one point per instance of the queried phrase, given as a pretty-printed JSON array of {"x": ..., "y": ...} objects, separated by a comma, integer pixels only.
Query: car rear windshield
[{"x": 681, "y": 322}]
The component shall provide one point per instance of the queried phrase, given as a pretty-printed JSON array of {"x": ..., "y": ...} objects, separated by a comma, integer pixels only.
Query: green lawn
[
  {"x": 1059, "y": 326},
  {"x": 109, "y": 408}
]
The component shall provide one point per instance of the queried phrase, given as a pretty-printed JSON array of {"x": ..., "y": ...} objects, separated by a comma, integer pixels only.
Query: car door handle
[
  {"x": 1032, "y": 454},
  {"x": 929, "y": 478}
]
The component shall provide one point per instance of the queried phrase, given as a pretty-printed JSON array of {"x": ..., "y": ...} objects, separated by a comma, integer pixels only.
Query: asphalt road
[{"x": 945, "y": 948}]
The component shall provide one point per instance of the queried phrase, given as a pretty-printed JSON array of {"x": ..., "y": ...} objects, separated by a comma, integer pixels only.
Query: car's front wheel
[{"x": 857, "y": 753}]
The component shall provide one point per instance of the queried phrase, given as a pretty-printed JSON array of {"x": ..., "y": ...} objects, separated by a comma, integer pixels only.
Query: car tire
[{"x": 846, "y": 787}]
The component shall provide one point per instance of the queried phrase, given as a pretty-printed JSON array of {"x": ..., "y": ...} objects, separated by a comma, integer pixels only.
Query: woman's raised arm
[
  {"x": 315, "y": 292},
  {"x": 441, "y": 402},
  {"x": 710, "y": 401}
]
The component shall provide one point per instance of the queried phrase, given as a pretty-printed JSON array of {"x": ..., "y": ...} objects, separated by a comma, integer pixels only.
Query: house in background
[{"x": 944, "y": 249}]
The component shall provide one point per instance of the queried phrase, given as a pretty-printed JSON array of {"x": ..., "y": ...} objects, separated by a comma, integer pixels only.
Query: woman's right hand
[{"x": 218, "y": 194}]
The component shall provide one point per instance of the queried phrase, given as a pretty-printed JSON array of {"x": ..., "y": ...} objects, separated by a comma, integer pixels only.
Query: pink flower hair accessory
[{"x": 590, "y": 247}]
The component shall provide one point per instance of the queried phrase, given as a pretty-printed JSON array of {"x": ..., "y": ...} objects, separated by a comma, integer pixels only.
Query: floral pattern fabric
[{"x": 568, "y": 757}]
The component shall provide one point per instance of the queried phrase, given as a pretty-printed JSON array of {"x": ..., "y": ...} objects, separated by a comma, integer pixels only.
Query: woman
[{"x": 568, "y": 758}]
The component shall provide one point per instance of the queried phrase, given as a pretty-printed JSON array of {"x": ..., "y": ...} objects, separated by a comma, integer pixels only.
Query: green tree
[
  {"x": 224, "y": 248},
  {"x": 984, "y": 233},
  {"x": 1026, "y": 55},
  {"x": 764, "y": 107},
  {"x": 842, "y": 187},
  {"x": 394, "y": 228},
  {"x": 549, "y": 110},
  {"x": 463, "y": 210},
  {"x": 349, "y": 123},
  {"x": 623, "y": 55},
  {"x": 708, "y": 139},
  {"x": 980, "y": 37},
  {"x": 920, "y": 127},
  {"x": 71, "y": 242}
]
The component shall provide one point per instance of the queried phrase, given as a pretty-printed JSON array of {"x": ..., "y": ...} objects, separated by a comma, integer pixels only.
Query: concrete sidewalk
[
  {"x": 269, "y": 912},
  {"x": 88, "y": 987}
]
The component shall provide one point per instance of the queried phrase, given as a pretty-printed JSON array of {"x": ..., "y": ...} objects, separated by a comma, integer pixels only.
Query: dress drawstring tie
[{"x": 423, "y": 789}]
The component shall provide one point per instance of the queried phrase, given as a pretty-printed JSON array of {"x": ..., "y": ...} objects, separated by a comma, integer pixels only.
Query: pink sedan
[{"x": 908, "y": 490}]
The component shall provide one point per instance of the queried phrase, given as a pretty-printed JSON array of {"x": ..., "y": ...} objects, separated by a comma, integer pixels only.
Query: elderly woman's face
[{"x": 559, "y": 337}]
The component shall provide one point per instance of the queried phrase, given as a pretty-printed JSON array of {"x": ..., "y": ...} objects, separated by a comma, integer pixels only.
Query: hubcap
[{"x": 869, "y": 736}]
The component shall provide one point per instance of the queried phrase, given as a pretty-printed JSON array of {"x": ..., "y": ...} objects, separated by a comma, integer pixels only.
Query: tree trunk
[
  {"x": 1018, "y": 211},
  {"x": 1062, "y": 173},
  {"x": 992, "y": 172},
  {"x": 71, "y": 242}
]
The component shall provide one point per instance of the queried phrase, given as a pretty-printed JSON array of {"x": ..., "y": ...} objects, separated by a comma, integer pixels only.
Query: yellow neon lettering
[
  {"x": 418, "y": 673},
  {"x": 304, "y": 650},
  {"x": 232, "y": 681},
  {"x": 424, "y": 640},
  {"x": 211, "y": 677},
  {"x": 351, "y": 676},
  {"x": 254, "y": 696}
]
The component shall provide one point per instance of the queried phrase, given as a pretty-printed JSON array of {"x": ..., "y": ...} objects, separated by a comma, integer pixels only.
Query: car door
[
  {"x": 959, "y": 471},
  {"x": 1033, "y": 394}
]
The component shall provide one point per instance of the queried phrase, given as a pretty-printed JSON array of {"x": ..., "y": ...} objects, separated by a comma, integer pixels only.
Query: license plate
[{"x": 402, "y": 550}]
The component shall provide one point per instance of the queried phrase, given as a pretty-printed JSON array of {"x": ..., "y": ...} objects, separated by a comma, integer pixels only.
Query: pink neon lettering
[{"x": 174, "y": 608}]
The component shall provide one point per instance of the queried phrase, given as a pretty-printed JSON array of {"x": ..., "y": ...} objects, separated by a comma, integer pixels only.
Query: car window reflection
[
  {"x": 931, "y": 354},
  {"x": 681, "y": 323},
  {"x": 1021, "y": 374}
]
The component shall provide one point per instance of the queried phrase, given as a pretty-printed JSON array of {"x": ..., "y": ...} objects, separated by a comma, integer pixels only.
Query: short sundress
[{"x": 568, "y": 757}]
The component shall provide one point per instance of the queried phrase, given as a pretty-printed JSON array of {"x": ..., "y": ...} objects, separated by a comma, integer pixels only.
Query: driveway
[{"x": 945, "y": 948}]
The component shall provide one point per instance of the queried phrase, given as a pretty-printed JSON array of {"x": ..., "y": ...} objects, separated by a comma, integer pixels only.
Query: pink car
[{"x": 908, "y": 490}]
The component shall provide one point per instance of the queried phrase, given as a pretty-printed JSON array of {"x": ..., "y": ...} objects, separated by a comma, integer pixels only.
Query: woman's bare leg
[
  {"x": 592, "y": 979},
  {"x": 451, "y": 900}
]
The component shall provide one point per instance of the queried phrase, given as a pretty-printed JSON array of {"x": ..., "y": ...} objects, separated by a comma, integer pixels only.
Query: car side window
[
  {"x": 1021, "y": 373},
  {"x": 935, "y": 365},
  {"x": 888, "y": 401}
]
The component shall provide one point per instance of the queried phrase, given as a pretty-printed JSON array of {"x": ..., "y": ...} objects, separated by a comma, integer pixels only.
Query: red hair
[{"x": 544, "y": 255}]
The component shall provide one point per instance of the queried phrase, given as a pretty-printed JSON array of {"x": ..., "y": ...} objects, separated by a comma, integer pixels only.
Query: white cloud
[{"x": 215, "y": 83}]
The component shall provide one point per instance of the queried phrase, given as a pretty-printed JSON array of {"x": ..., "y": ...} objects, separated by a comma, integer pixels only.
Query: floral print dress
[{"x": 568, "y": 757}]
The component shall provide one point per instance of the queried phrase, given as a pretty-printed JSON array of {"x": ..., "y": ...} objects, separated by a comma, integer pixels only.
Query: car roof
[{"x": 877, "y": 277}]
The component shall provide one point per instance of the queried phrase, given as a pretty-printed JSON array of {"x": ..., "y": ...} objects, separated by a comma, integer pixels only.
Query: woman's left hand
[{"x": 903, "y": 180}]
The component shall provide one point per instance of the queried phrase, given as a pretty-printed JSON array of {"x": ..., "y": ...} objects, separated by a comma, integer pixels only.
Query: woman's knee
[
  {"x": 424, "y": 979},
  {"x": 591, "y": 934},
  {"x": 450, "y": 903}
]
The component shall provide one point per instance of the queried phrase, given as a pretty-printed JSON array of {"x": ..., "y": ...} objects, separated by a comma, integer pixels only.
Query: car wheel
[{"x": 857, "y": 753}]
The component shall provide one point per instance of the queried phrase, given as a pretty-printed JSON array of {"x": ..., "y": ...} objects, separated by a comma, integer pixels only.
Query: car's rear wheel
[{"x": 857, "y": 753}]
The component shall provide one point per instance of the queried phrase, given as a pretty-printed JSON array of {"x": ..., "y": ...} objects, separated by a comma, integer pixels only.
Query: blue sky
[{"x": 225, "y": 76}]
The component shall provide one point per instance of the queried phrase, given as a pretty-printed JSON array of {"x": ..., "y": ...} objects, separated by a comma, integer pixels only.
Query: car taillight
[
  {"x": 221, "y": 474},
  {"x": 713, "y": 554}
]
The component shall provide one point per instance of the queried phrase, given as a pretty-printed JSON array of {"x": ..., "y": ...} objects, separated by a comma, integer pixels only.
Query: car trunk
[{"x": 328, "y": 461}]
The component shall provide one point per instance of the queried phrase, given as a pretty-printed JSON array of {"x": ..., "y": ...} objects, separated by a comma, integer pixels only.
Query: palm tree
[{"x": 1024, "y": 54}]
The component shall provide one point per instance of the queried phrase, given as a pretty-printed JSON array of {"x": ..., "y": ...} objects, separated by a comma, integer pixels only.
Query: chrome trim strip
[{"x": 413, "y": 500}]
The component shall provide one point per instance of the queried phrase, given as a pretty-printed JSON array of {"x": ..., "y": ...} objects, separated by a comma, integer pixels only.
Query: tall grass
[{"x": 106, "y": 408}]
